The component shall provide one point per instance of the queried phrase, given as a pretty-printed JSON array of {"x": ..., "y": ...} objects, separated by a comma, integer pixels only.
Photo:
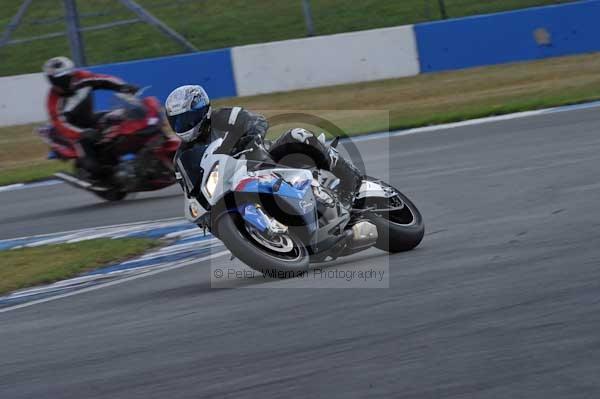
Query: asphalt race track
[
  {"x": 501, "y": 300},
  {"x": 57, "y": 208}
]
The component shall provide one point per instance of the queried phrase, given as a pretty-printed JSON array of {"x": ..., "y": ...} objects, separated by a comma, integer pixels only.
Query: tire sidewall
[{"x": 393, "y": 237}]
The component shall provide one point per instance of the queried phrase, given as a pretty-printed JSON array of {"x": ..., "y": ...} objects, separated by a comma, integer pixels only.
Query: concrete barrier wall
[
  {"x": 508, "y": 37},
  {"x": 325, "y": 61},
  {"x": 22, "y": 99}
]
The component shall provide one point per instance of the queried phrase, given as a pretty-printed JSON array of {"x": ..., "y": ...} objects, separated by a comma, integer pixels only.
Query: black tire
[
  {"x": 394, "y": 233},
  {"x": 230, "y": 230},
  {"x": 111, "y": 195}
]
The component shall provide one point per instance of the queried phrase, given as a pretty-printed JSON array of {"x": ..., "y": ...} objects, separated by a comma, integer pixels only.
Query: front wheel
[
  {"x": 399, "y": 230},
  {"x": 112, "y": 195},
  {"x": 280, "y": 256}
]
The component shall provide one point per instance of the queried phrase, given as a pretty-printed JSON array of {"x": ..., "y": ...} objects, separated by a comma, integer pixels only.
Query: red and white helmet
[{"x": 59, "y": 71}]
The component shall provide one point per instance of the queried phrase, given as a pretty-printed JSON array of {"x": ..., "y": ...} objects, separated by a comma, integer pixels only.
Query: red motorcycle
[{"x": 135, "y": 153}]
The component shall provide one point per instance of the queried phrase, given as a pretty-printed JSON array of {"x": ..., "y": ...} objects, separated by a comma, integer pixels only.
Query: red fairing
[
  {"x": 167, "y": 151},
  {"x": 153, "y": 106},
  {"x": 128, "y": 128},
  {"x": 132, "y": 126},
  {"x": 171, "y": 145},
  {"x": 63, "y": 137}
]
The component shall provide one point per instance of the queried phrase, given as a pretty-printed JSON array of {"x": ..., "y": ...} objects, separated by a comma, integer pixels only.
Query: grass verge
[
  {"x": 408, "y": 102},
  {"x": 27, "y": 267},
  {"x": 32, "y": 172},
  {"x": 452, "y": 96}
]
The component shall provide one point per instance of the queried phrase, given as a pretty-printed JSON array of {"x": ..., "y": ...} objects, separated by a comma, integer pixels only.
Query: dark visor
[
  {"x": 63, "y": 81},
  {"x": 188, "y": 120}
]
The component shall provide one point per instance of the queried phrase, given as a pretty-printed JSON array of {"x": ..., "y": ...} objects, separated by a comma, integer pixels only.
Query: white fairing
[
  {"x": 228, "y": 166},
  {"x": 232, "y": 171},
  {"x": 374, "y": 189}
]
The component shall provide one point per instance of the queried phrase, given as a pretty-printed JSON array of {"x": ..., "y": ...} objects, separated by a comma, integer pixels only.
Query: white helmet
[
  {"x": 58, "y": 66},
  {"x": 188, "y": 111},
  {"x": 59, "y": 71}
]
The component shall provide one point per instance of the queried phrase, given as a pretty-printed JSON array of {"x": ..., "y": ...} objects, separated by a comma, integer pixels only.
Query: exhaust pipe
[
  {"x": 361, "y": 236},
  {"x": 364, "y": 234}
]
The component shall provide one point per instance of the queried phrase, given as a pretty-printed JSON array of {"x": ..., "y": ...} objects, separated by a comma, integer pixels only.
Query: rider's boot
[{"x": 350, "y": 180}]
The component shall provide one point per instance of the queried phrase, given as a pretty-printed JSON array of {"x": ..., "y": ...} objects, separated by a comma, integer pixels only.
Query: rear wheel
[
  {"x": 279, "y": 256},
  {"x": 401, "y": 229}
]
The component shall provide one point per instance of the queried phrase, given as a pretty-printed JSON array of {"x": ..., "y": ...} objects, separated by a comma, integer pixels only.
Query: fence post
[
  {"x": 443, "y": 12},
  {"x": 308, "y": 19},
  {"x": 14, "y": 22},
  {"x": 74, "y": 33},
  {"x": 147, "y": 17}
]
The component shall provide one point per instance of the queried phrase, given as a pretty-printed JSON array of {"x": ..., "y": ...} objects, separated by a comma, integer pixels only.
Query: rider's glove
[{"x": 257, "y": 125}]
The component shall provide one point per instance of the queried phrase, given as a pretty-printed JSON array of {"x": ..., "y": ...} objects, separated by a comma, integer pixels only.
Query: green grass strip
[{"x": 27, "y": 267}]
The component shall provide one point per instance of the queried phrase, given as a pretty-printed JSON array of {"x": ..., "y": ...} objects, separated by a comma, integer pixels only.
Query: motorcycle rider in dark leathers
[{"x": 191, "y": 117}]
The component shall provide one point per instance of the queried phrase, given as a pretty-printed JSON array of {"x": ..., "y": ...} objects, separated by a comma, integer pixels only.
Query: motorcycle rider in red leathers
[{"x": 71, "y": 109}]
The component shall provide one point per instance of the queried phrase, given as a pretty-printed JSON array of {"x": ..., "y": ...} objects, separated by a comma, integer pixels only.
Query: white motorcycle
[{"x": 278, "y": 219}]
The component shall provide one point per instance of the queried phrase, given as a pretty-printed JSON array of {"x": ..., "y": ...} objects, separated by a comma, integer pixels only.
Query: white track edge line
[{"x": 112, "y": 226}]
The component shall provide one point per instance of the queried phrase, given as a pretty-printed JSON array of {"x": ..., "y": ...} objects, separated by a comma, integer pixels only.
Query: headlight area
[{"x": 213, "y": 178}]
